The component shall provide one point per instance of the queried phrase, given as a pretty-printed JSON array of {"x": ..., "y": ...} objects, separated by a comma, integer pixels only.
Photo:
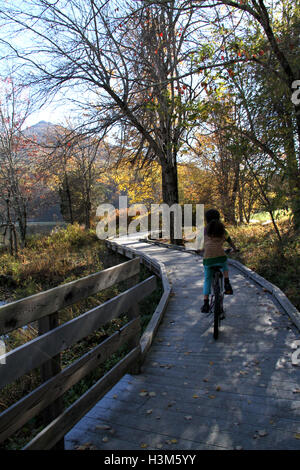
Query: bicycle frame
[{"x": 216, "y": 304}]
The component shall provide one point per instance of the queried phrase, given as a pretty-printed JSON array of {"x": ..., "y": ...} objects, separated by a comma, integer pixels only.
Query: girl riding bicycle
[{"x": 214, "y": 254}]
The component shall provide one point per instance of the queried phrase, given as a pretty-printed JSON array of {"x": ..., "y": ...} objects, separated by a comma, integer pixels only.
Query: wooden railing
[
  {"x": 44, "y": 351},
  {"x": 159, "y": 270}
]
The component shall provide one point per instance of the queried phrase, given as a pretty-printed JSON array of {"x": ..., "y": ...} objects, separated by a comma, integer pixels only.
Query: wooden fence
[
  {"x": 157, "y": 268},
  {"x": 44, "y": 351}
]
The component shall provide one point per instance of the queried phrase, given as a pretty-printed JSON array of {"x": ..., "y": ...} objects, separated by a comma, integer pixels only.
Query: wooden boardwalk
[{"x": 240, "y": 391}]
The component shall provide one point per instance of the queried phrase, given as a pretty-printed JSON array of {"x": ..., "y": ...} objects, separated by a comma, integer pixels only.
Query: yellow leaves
[
  {"x": 141, "y": 185},
  {"x": 143, "y": 445},
  {"x": 297, "y": 435}
]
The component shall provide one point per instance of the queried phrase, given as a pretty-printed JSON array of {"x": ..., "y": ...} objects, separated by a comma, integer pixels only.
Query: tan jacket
[{"x": 213, "y": 246}]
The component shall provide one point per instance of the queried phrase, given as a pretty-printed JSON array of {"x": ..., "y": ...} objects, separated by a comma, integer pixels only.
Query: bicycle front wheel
[{"x": 217, "y": 306}]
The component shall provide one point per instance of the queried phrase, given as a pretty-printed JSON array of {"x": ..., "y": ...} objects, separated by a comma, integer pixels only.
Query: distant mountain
[{"x": 41, "y": 131}]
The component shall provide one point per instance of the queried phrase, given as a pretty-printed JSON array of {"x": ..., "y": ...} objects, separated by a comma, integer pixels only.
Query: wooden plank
[
  {"x": 154, "y": 323},
  {"x": 134, "y": 312},
  {"x": 21, "y": 412},
  {"x": 50, "y": 369},
  {"x": 34, "y": 353},
  {"x": 48, "y": 437},
  {"x": 24, "y": 311}
]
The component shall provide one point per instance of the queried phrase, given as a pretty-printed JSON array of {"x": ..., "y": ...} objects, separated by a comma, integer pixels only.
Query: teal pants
[{"x": 208, "y": 274}]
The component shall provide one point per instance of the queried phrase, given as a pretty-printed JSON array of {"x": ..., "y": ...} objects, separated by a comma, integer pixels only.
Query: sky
[{"x": 50, "y": 113}]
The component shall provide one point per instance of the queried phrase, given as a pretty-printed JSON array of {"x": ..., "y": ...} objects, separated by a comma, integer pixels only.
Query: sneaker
[
  {"x": 228, "y": 288},
  {"x": 205, "y": 307}
]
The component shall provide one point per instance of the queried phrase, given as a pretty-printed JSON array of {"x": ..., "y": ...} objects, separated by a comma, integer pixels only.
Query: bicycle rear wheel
[{"x": 217, "y": 305}]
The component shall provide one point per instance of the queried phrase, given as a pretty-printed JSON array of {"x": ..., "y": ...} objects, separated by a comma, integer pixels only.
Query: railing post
[
  {"x": 133, "y": 313},
  {"x": 48, "y": 370}
]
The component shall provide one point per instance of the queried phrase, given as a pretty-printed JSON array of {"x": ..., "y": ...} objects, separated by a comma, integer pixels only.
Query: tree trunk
[
  {"x": 293, "y": 172},
  {"x": 241, "y": 203},
  {"x": 170, "y": 194},
  {"x": 69, "y": 199}
]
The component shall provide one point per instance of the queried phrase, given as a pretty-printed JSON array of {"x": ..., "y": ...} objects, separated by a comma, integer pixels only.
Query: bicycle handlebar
[{"x": 231, "y": 250}]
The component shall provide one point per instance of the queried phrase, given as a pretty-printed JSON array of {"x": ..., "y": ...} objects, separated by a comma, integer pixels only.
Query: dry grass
[{"x": 278, "y": 262}]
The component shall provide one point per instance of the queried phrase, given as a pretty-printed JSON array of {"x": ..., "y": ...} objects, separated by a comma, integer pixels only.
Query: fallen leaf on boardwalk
[
  {"x": 218, "y": 388},
  {"x": 149, "y": 412},
  {"x": 143, "y": 394},
  {"x": 195, "y": 396},
  {"x": 238, "y": 448},
  {"x": 174, "y": 441},
  {"x": 104, "y": 427},
  {"x": 115, "y": 396},
  {"x": 211, "y": 363},
  {"x": 188, "y": 418},
  {"x": 297, "y": 435},
  {"x": 205, "y": 380},
  {"x": 144, "y": 445},
  {"x": 159, "y": 446},
  {"x": 152, "y": 394},
  {"x": 86, "y": 446},
  {"x": 105, "y": 439},
  {"x": 211, "y": 397},
  {"x": 262, "y": 433}
]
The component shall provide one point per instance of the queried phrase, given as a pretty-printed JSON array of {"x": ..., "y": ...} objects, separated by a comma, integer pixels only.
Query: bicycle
[{"x": 216, "y": 302}]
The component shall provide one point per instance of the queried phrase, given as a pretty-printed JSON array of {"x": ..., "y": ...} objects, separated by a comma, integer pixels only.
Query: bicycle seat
[{"x": 215, "y": 268}]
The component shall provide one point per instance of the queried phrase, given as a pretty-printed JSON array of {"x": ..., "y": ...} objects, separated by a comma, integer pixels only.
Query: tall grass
[{"x": 278, "y": 262}]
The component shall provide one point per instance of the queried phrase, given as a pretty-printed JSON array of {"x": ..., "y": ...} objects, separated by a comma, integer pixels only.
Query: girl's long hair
[{"x": 215, "y": 228}]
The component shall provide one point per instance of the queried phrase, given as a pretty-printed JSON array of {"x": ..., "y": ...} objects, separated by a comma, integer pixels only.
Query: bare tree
[
  {"x": 122, "y": 68},
  {"x": 16, "y": 161}
]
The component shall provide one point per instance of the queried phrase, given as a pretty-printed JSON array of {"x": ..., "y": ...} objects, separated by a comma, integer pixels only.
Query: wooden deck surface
[{"x": 239, "y": 392}]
